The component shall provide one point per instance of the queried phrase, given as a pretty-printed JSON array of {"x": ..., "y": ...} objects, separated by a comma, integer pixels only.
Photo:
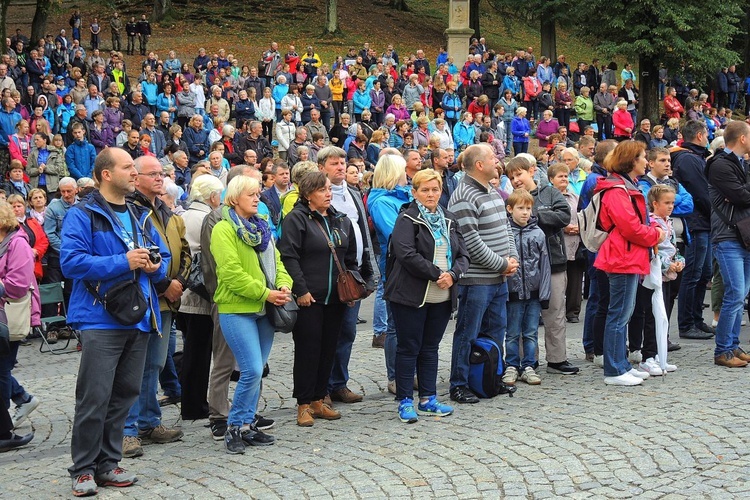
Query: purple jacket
[
  {"x": 378, "y": 100},
  {"x": 103, "y": 138},
  {"x": 545, "y": 129},
  {"x": 17, "y": 272},
  {"x": 113, "y": 118}
]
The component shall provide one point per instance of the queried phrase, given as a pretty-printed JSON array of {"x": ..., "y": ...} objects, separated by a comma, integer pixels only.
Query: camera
[{"x": 153, "y": 254}]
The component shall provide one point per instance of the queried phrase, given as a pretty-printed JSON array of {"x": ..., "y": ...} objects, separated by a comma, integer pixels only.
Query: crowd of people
[{"x": 198, "y": 198}]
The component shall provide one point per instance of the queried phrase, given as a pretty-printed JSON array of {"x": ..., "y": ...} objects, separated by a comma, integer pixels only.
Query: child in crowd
[
  {"x": 553, "y": 214},
  {"x": 658, "y": 140},
  {"x": 528, "y": 290}
]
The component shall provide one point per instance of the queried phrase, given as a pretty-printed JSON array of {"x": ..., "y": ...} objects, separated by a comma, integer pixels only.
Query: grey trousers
[
  {"x": 554, "y": 320},
  {"x": 109, "y": 380},
  {"x": 221, "y": 369}
]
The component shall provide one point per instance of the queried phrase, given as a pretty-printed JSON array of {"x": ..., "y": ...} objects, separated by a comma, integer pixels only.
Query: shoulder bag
[
  {"x": 283, "y": 317},
  {"x": 741, "y": 227},
  {"x": 350, "y": 285}
]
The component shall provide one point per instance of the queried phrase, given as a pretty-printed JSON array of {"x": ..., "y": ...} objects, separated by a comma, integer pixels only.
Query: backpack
[
  {"x": 592, "y": 234},
  {"x": 486, "y": 369}
]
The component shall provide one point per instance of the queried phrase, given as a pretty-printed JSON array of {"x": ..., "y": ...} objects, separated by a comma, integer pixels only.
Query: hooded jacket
[
  {"x": 94, "y": 249},
  {"x": 384, "y": 206},
  {"x": 626, "y": 249},
  {"x": 532, "y": 280},
  {"x": 553, "y": 213},
  {"x": 730, "y": 194},
  {"x": 688, "y": 167},
  {"x": 411, "y": 254},
  {"x": 80, "y": 157}
]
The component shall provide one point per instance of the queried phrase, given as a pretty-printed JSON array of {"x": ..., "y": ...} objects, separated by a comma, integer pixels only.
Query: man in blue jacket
[
  {"x": 9, "y": 117},
  {"x": 80, "y": 155},
  {"x": 103, "y": 244}
]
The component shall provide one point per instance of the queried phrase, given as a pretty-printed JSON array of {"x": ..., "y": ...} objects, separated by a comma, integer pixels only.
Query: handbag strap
[
  {"x": 724, "y": 219},
  {"x": 330, "y": 246}
]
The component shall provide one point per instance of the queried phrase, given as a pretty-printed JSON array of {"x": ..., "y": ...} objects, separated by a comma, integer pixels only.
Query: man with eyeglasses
[{"x": 144, "y": 419}]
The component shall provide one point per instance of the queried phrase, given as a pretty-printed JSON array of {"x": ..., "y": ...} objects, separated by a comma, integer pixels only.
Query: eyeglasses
[{"x": 155, "y": 175}]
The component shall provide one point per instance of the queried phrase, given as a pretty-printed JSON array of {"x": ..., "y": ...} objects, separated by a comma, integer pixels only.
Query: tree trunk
[
  {"x": 549, "y": 39},
  {"x": 399, "y": 5},
  {"x": 332, "y": 17},
  {"x": 474, "y": 17},
  {"x": 39, "y": 24},
  {"x": 648, "y": 105},
  {"x": 3, "y": 18},
  {"x": 161, "y": 9}
]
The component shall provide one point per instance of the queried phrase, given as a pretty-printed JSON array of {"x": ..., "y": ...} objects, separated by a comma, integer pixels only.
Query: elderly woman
[
  {"x": 195, "y": 308},
  {"x": 623, "y": 257},
  {"x": 622, "y": 121},
  {"x": 584, "y": 107},
  {"x": 20, "y": 299},
  {"x": 196, "y": 139},
  {"x": 427, "y": 258},
  {"x": 244, "y": 263},
  {"x": 46, "y": 164},
  {"x": 311, "y": 232},
  {"x": 520, "y": 128},
  {"x": 397, "y": 109},
  {"x": 388, "y": 194},
  {"x": 100, "y": 135}
]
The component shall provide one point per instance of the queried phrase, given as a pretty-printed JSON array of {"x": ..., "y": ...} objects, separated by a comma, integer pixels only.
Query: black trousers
[
  {"x": 604, "y": 123},
  {"x": 642, "y": 328},
  {"x": 574, "y": 290},
  {"x": 196, "y": 365},
  {"x": 315, "y": 336}
]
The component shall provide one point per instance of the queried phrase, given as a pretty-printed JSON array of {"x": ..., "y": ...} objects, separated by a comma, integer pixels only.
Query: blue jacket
[
  {"x": 94, "y": 249},
  {"x": 244, "y": 109},
  {"x": 452, "y": 106},
  {"x": 383, "y": 206},
  {"x": 307, "y": 103},
  {"x": 511, "y": 83},
  {"x": 163, "y": 103},
  {"x": 150, "y": 91},
  {"x": 80, "y": 157},
  {"x": 278, "y": 93},
  {"x": 8, "y": 121},
  {"x": 518, "y": 127},
  {"x": 361, "y": 101},
  {"x": 64, "y": 113},
  {"x": 463, "y": 135},
  {"x": 587, "y": 191},
  {"x": 196, "y": 142}
]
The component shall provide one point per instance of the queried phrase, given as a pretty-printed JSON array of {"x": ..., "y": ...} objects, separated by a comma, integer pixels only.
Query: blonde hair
[
  {"x": 237, "y": 186},
  {"x": 301, "y": 168},
  {"x": 204, "y": 186},
  {"x": 424, "y": 176},
  {"x": 388, "y": 171},
  {"x": 8, "y": 219}
]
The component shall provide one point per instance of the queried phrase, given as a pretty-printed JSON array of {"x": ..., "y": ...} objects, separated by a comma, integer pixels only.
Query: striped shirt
[{"x": 484, "y": 224}]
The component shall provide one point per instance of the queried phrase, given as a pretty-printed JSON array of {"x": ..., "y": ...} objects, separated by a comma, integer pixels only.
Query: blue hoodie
[
  {"x": 80, "y": 157},
  {"x": 8, "y": 122},
  {"x": 384, "y": 206}
]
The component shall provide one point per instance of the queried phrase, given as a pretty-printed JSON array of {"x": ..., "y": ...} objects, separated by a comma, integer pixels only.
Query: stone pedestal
[{"x": 458, "y": 33}]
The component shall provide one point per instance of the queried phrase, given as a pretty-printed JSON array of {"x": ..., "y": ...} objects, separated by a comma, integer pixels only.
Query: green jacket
[
  {"x": 584, "y": 108},
  {"x": 55, "y": 169},
  {"x": 241, "y": 285}
]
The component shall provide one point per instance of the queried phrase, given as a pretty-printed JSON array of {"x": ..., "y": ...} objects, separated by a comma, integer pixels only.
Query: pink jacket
[
  {"x": 544, "y": 130},
  {"x": 17, "y": 273}
]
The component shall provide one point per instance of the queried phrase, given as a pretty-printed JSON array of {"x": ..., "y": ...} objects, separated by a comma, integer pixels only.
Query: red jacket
[
  {"x": 672, "y": 107},
  {"x": 626, "y": 249},
  {"x": 622, "y": 119},
  {"x": 41, "y": 243}
]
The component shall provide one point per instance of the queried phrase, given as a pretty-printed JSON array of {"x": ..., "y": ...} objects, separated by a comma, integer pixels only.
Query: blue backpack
[{"x": 486, "y": 369}]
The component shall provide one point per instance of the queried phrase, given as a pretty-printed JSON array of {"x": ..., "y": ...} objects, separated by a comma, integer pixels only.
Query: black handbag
[
  {"x": 125, "y": 301},
  {"x": 282, "y": 317},
  {"x": 195, "y": 278},
  {"x": 741, "y": 227}
]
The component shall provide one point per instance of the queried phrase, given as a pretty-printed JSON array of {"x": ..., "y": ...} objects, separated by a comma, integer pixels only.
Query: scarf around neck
[
  {"x": 439, "y": 228},
  {"x": 254, "y": 231}
]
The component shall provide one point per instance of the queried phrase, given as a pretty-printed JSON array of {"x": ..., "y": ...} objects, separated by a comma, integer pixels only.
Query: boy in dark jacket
[
  {"x": 553, "y": 214},
  {"x": 528, "y": 290}
]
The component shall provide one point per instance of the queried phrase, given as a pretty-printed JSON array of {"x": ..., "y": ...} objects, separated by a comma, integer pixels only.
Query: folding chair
[{"x": 52, "y": 293}]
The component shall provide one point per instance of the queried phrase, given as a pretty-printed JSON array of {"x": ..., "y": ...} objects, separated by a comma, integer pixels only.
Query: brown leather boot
[
  {"x": 729, "y": 360},
  {"x": 739, "y": 353},
  {"x": 322, "y": 410},
  {"x": 305, "y": 416}
]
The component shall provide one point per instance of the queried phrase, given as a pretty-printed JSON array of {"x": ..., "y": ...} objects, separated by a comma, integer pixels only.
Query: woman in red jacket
[
  {"x": 37, "y": 237},
  {"x": 624, "y": 255},
  {"x": 672, "y": 107},
  {"x": 622, "y": 121}
]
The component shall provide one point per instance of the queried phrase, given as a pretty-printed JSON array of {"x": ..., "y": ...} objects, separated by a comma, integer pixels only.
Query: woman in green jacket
[
  {"x": 584, "y": 109},
  {"x": 46, "y": 165},
  {"x": 243, "y": 247}
]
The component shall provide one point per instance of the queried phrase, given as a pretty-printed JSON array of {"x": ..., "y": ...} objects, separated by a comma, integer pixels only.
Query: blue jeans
[
  {"x": 170, "y": 383},
  {"x": 379, "y": 312},
  {"x": 340, "y": 371},
  {"x": 482, "y": 308},
  {"x": 622, "y": 292},
  {"x": 591, "y": 305},
  {"x": 250, "y": 338},
  {"x": 734, "y": 263},
  {"x": 696, "y": 275},
  {"x": 419, "y": 331},
  {"x": 383, "y": 324},
  {"x": 145, "y": 412},
  {"x": 523, "y": 324},
  {"x": 10, "y": 389}
]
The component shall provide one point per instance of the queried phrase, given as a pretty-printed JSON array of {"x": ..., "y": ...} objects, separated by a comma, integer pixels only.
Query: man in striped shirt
[{"x": 483, "y": 292}]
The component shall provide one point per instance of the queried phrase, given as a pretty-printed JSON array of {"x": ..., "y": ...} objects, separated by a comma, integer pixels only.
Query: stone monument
[{"x": 458, "y": 32}]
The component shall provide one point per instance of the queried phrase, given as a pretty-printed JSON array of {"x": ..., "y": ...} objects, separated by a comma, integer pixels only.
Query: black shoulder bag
[{"x": 742, "y": 227}]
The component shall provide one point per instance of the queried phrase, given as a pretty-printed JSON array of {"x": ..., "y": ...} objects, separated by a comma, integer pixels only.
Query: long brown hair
[{"x": 621, "y": 160}]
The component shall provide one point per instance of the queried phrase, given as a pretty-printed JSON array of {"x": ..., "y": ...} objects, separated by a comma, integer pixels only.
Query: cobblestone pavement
[{"x": 685, "y": 436}]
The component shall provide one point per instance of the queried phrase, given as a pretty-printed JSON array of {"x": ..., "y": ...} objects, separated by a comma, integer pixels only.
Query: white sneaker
[
  {"x": 743, "y": 322},
  {"x": 714, "y": 323},
  {"x": 639, "y": 374},
  {"x": 670, "y": 368},
  {"x": 599, "y": 361},
  {"x": 626, "y": 379},
  {"x": 510, "y": 376},
  {"x": 651, "y": 367},
  {"x": 23, "y": 411},
  {"x": 635, "y": 357}
]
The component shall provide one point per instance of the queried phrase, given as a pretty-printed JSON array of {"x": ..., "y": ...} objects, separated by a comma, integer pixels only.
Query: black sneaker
[
  {"x": 564, "y": 368},
  {"x": 233, "y": 441},
  {"x": 254, "y": 437},
  {"x": 673, "y": 346},
  {"x": 235, "y": 376},
  {"x": 705, "y": 328},
  {"x": 266, "y": 371},
  {"x": 263, "y": 424},
  {"x": 218, "y": 429},
  {"x": 463, "y": 395},
  {"x": 696, "y": 334}
]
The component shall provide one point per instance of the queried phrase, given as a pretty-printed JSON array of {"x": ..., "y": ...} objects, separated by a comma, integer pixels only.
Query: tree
[
  {"x": 655, "y": 32},
  {"x": 3, "y": 18},
  {"x": 39, "y": 23},
  {"x": 332, "y": 17},
  {"x": 474, "y": 17},
  {"x": 399, "y": 5},
  {"x": 161, "y": 9}
]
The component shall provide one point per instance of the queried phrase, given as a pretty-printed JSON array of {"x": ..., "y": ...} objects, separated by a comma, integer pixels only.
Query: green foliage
[
  {"x": 535, "y": 10},
  {"x": 673, "y": 33}
]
